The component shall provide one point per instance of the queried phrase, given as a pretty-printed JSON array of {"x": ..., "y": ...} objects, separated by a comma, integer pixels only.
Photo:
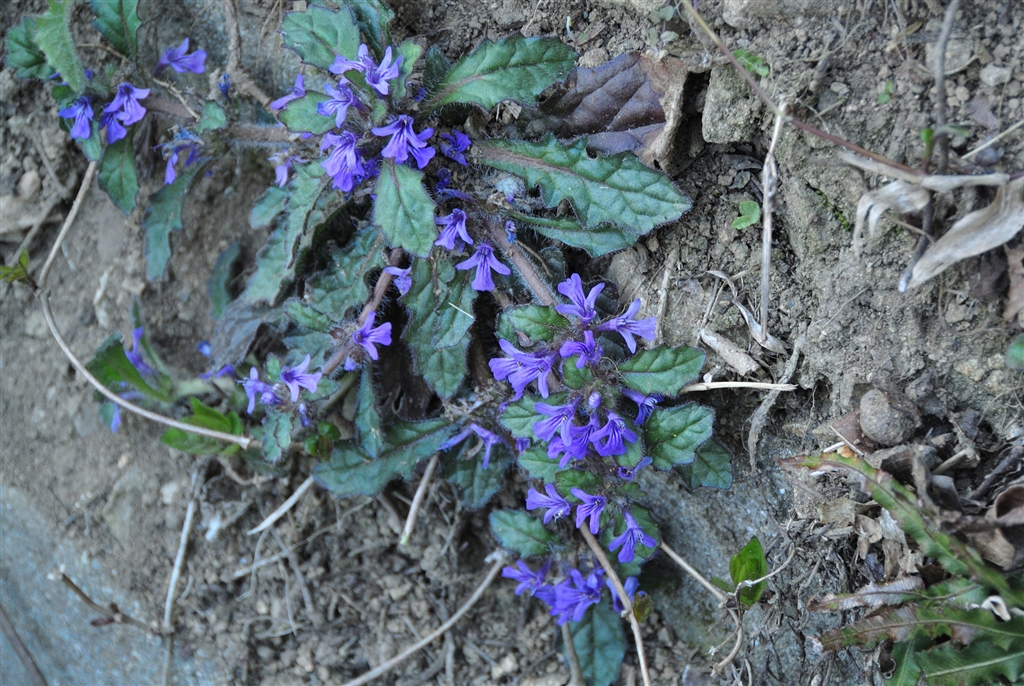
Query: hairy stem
[{"x": 541, "y": 289}]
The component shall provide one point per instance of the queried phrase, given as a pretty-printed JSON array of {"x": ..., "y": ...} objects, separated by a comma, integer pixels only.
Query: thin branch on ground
[
  {"x": 179, "y": 562},
  {"x": 719, "y": 595},
  {"x": 307, "y": 597},
  {"x": 417, "y": 500},
  {"x": 244, "y": 441},
  {"x": 992, "y": 141},
  {"x": 712, "y": 385},
  {"x": 942, "y": 137},
  {"x": 769, "y": 187},
  {"x": 575, "y": 673},
  {"x": 170, "y": 88},
  {"x": 24, "y": 656},
  {"x": 760, "y": 416},
  {"x": 627, "y": 604},
  {"x": 112, "y": 613},
  {"x": 284, "y": 507},
  {"x": 440, "y": 631}
]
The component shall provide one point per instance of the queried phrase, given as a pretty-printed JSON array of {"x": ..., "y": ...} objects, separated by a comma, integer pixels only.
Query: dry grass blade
[
  {"x": 872, "y": 595},
  {"x": 978, "y": 232},
  {"x": 941, "y": 184}
]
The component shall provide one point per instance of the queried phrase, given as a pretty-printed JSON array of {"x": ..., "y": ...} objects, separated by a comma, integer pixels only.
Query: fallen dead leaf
[
  {"x": 1015, "y": 269},
  {"x": 902, "y": 196},
  {"x": 872, "y": 595}
]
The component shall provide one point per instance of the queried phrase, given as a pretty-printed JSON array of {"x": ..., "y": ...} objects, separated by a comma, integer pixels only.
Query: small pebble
[
  {"x": 993, "y": 76},
  {"x": 883, "y": 422}
]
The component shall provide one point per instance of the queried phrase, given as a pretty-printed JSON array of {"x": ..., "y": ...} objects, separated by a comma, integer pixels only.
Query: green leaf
[
  {"x": 208, "y": 418},
  {"x": 568, "y": 479},
  {"x": 535, "y": 460},
  {"x": 403, "y": 210},
  {"x": 514, "y": 68},
  {"x": 319, "y": 34},
  {"x": 110, "y": 365},
  {"x": 477, "y": 484},
  {"x": 307, "y": 317},
  {"x": 117, "y": 174},
  {"x": 661, "y": 370},
  {"x": 747, "y": 565},
  {"x": 907, "y": 672},
  {"x": 350, "y": 471},
  {"x": 213, "y": 117},
  {"x": 750, "y": 213},
  {"x": 980, "y": 663},
  {"x": 53, "y": 36},
  {"x": 673, "y": 434},
  {"x": 219, "y": 285},
  {"x": 711, "y": 468},
  {"x": 367, "y": 420},
  {"x": 456, "y": 313},
  {"x": 163, "y": 216},
  {"x": 323, "y": 440},
  {"x": 574, "y": 378},
  {"x": 275, "y": 263},
  {"x": 751, "y": 62},
  {"x": 599, "y": 240},
  {"x": 1015, "y": 353},
  {"x": 600, "y": 644},
  {"x": 373, "y": 18},
  {"x": 613, "y": 189},
  {"x": 537, "y": 322},
  {"x": 277, "y": 435},
  {"x": 520, "y": 532},
  {"x": 24, "y": 54},
  {"x": 118, "y": 21},
  {"x": 92, "y": 147},
  {"x": 300, "y": 116},
  {"x": 16, "y": 272},
  {"x": 443, "y": 368},
  {"x": 520, "y": 416},
  {"x": 343, "y": 285},
  {"x": 267, "y": 207},
  {"x": 410, "y": 53}
]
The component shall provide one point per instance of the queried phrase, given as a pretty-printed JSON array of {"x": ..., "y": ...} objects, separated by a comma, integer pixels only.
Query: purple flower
[
  {"x": 559, "y": 420},
  {"x": 629, "y": 586},
  {"x": 343, "y": 163},
  {"x": 341, "y": 99},
  {"x": 484, "y": 261},
  {"x": 441, "y": 189},
  {"x": 454, "y": 229},
  {"x": 629, "y": 539},
  {"x": 644, "y": 404},
  {"x": 627, "y": 326},
  {"x": 592, "y": 507},
  {"x": 489, "y": 438},
  {"x": 224, "y": 85},
  {"x": 254, "y": 388},
  {"x": 283, "y": 163},
  {"x": 522, "y": 444},
  {"x": 529, "y": 580},
  {"x": 135, "y": 354},
  {"x": 403, "y": 280},
  {"x": 510, "y": 231},
  {"x": 298, "y": 91},
  {"x": 629, "y": 473},
  {"x": 368, "y": 336},
  {"x": 81, "y": 112},
  {"x": 589, "y": 351},
  {"x": 377, "y": 76},
  {"x": 115, "y": 417},
  {"x": 225, "y": 370},
  {"x": 124, "y": 110},
  {"x": 556, "y": 505},
  {"x": 183, "y": 141},
  {"x": 404, "y": 141},
  {"x": 296, "y": 377},
  {"x": 176, "y": 59},
  {"x": 573, "y": 596},
  {"x": 582, "y": 306},
  {"x": 204, "y": 348},
  {"x": 454, "y": 145},
  {"x": 575, "y": 449},
  {"x": 521, "y": 368},
  {"x": 609, "y": 439}
]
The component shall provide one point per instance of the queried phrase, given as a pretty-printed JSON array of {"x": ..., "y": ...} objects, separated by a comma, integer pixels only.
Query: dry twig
[
  {"x": 417, "y": 500},
  {"x": 284, "y": 507}
]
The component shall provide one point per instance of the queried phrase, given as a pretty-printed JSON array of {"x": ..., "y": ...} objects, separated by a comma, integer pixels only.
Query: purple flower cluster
[
  {"x": 488, "y": 438},
  {"x": 176, "y": 59},
  {"x": 344, "y": 163},
  {"x": 377, "y": 76},
  {"x": 522, "y": 369},
  {"x": 123, "y": 111},
  {"x": 570, "y": 598},
  {"x": 292, "y": 380}
]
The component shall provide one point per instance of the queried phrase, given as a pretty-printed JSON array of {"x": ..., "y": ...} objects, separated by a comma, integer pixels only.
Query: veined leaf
[
  {"x": 907, "y": 672},
  {"x": 535, "y": 460},
  {"x": 275, "y": 264},
  {"x": 403, "y": 210},
  {"x": 208, "y": 418},
  {"x": 711, "y": 467},
  {"x": 367, "y": 421},
  {"x": 477, "y": 484},
  {"x": 663, "y": 371},
  {"x": 673, "y": 434},
  {"x": 110, "y": 365},
  {"x": 599, "y": 240},
  {"x": 520, "y": 416},
  {"x": 23, "y": 53},
  {"x": 277, "y": 434},
  {"x": 118, "y": 21},
  {"x": 219, "y": 286},
  {"x": 213, "y": 118},
  {"x": 373, "y": 18},
  {"x": 979, "y": 664},
  {"x": 117, "y": 174},
  {"x": 520, "y": 532},
  {"x": 443, "y": 368},
  {"x": 537, "y": 322},
  {"x": 53, "y": 36},
  {"x": 749, "y": 564},
  {"x": 514, "y": 68},
  {"x": 343, "y": 285},
  {"x": 410, "y": 53},
  {"x": 913, "y": 621},
  {"x": 615, "y": 189},
  {"x": 350, "y": 471},
  {"x": 600, "y": 644},
  {"x": 163, "y": 216},
  {"x": 319, "y": 34},
  {"x": 267, "y": 207},
  {"x": 301, "y": 116}
]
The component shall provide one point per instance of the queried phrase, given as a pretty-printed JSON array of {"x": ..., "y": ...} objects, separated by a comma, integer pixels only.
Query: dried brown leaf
[
  {"x": 901, "y": 196},
  {"x": 977, "y": 232},
  {"x": 872, "y": 595},
  {"x": 1015, "y": 269}
]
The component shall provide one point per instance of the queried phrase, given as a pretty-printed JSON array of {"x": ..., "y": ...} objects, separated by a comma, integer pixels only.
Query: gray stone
[
  {"x": 731, "y": 109},
  {"x": 745, "y": 14},
  {"x": 124, "y": 503},
  {"x": 993, "y": 76},
  {"x": 884, "y": 420}
]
